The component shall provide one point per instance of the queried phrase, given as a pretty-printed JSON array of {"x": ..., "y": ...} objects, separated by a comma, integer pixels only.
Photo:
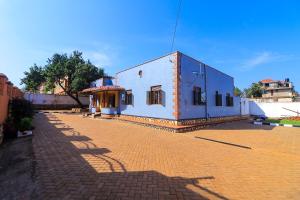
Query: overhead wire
[{"x": 176, "y": 24}]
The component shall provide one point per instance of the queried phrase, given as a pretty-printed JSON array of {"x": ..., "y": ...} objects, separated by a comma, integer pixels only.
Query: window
[
  {"x": 229, "y": 100},
  {"x": 141, "y": 73},
  {"x": 155, "y": 95},
  {"x": 128, "y": 97},
  {"x": 218, "y": 99},
  {"x": 197, "y": 96}
]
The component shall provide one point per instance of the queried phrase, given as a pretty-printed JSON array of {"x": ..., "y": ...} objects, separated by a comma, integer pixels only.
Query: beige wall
[
  {"x": 56, "y": 90},
  {"x": 279, "y": 93}
]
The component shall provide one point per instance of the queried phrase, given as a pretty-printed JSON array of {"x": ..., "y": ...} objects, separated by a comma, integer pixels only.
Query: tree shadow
[{"x": 64, "y": 172}]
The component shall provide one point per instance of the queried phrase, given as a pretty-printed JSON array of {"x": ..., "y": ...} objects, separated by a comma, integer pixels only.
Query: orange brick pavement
[{"x": 82, "y": 158}]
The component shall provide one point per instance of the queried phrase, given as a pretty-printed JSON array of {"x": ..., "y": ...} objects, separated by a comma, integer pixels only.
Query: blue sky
[{"x": 249, "y": 40}]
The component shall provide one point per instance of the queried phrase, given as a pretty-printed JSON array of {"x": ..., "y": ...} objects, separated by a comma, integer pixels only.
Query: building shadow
[
  {"x": 239, "y": 125},
  {"x": 223, "y": 142},
  {"x": 64, "y": 172}
]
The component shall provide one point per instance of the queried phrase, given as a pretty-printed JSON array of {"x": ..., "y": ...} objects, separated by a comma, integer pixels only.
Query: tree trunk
[{"x": 76, "y": 98}]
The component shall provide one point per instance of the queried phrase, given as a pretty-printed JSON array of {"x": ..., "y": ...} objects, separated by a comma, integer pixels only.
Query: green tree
[
  {"x": 72, "y": 73},
  {"x": 237, "y": 92},
  {"x": 255, "y": 91},
  {"x": 33, "y": 78}
]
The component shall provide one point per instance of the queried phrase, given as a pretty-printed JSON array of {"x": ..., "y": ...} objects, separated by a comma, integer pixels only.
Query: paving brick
[{"x": 82, "y": 158}]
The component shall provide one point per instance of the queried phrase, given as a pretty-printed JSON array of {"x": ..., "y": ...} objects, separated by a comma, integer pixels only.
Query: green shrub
[
  {"x": 20, "y": 108},
  {"x": 25, "y": 124}
]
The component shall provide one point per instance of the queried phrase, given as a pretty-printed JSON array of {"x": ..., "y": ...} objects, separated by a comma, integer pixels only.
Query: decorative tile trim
[
  {"x": 173, "y": 126},
  {"x": 186, "y": 122},
  {"x": 140, "y": 119},
  {"x": 210, "y": 120}
]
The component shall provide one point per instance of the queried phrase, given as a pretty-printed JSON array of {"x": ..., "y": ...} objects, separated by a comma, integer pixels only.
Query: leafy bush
[
  {"x": 20, "y": 108},
  {"x": 25, "y": 124}
]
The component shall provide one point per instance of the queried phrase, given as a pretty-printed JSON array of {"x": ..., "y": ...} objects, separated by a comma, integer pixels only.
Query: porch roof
[{"x": 103, "y": 88}]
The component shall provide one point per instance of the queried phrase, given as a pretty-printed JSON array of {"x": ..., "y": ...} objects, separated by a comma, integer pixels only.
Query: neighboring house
[
  {"x": 42, "y": 89},
  {"x": 173, "y": 89},
  {"x": 56, "y": 90},
  {"x": 7, "y": 92},
  {"x": 277, "y": 91}
]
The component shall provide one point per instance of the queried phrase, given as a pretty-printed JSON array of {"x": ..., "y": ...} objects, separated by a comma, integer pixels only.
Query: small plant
[
  {"x": 19, "y": 109},
  {"x": 25, "y": 124}
]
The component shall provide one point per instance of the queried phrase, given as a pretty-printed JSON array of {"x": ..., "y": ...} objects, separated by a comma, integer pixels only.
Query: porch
[{"x": 104, "y": 99}]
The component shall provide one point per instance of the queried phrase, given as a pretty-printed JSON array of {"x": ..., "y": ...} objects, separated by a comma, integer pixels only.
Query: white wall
[
  {"x": 276, "y": 109},
  {"x": 245, "y": 110},
  {"x": 51, "y": 99}
]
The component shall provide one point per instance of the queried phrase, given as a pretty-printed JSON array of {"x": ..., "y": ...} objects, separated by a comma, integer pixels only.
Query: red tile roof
[
  {"x": 102, "y": 88},
  {"x": 267, "y": 81}
]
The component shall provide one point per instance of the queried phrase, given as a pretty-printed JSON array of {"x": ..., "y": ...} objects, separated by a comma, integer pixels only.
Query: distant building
[
  {"x": 56, "y": 90},
  {"x": 277, "y": 91}
]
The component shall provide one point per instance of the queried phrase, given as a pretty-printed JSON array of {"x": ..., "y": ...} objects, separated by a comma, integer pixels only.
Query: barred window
[
  {"x": 128, "y": 97},
  {"x": 155, "y": 95},
  {"x": 218, "y": 99},
  {"x": 229, "y": 100},
  {"x": 197, "y": 96}
]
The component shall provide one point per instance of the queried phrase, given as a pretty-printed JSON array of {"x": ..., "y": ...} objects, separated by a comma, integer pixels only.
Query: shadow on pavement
[
  {"x": 239, "y": 125},
  {"x": 222, "y": 142},
  {"x": 64, "y": 172}
]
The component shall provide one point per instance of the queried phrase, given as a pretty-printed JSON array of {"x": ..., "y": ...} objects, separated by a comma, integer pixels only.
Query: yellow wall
[{"x": 100, "y": 95}]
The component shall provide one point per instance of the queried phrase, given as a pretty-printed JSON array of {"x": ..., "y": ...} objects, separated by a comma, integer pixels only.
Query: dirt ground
[
  {"x": 82, "y": 158},
  {"x": 17, "y": 169}
]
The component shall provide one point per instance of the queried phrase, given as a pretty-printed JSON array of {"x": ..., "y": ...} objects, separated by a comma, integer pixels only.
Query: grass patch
[{"x": 283, "y": 121}]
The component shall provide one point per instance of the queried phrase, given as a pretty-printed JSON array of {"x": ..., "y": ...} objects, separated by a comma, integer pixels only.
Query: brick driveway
[{"x": 81, "y": 158}]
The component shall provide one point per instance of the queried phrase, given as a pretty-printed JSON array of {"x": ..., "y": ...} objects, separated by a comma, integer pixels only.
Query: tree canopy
[
  {"x": 237, "y": 92},
  {"x": 33, "y": 78},
  {"x": 72, "y": 73},
  {"x": 255, "y": 91}
]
